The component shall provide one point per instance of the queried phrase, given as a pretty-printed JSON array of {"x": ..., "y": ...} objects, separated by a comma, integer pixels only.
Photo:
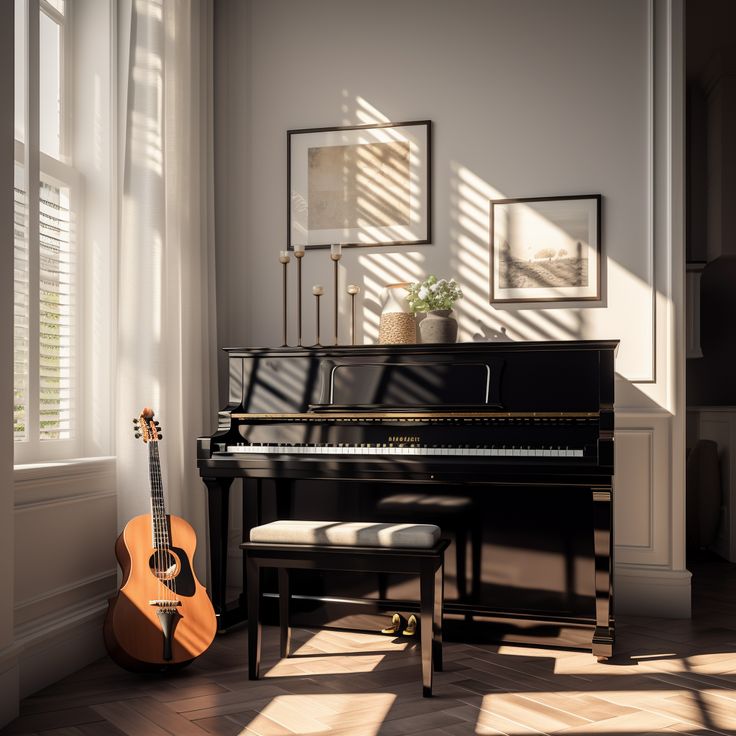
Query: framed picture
[
  {"x": 546, "y": 249},
  {"x": 362, "y": 185}
]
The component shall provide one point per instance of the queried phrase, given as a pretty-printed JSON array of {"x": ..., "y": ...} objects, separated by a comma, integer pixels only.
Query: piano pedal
[
  {"x": 398, "y": 622},
  {"x": 411, "y": 626}
]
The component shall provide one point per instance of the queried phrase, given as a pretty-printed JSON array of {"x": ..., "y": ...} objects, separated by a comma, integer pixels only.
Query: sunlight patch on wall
[
  {"x": 380, "y": 269},
  {"x": 470, "y": 236},
  {"x": 367, "y": 113}
]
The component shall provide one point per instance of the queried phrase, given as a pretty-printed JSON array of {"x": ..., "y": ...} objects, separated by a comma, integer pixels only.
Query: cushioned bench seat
[
  {"x": 347, "y": 534},
  {"x": 360, "y": 547}
]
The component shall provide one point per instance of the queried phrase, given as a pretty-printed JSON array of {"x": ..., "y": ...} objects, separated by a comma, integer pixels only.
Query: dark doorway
[{"x": 711, "y": 287}]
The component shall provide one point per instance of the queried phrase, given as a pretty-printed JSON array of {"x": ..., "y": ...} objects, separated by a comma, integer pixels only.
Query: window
[{"x": 48, "y": 338}]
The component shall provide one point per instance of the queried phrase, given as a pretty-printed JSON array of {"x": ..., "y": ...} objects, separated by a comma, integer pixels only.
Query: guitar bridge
[{"x": 161, "y": 603}]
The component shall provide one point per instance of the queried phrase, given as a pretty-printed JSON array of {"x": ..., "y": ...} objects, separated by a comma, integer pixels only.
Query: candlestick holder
[
  {"x": 284, "y": 260},
  {"x": 336, "y": 255},
  {"x": 317, "y": 291},
  {"x": 352, "y": 289},
  {"x": 299, "y": 254}
]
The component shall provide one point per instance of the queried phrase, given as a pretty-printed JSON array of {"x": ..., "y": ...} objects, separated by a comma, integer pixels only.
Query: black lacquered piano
[{"x": 508, "y": 447}]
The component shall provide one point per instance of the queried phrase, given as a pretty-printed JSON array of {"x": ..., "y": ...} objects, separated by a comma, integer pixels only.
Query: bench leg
[
  {"x": 253, "y": 574},
  {"x": 426, "y": 586},
  {"x": 284, "y": 600},
  {"x": 439, "y": 594}
]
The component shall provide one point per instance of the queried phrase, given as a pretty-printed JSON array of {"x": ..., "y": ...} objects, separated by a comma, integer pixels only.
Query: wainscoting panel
[
  {"x": 634, "y": 488},
  {"x": 65, "y": 531},
  {"x": 63, "y": 547},
  {"x": 642, "y": 489}
]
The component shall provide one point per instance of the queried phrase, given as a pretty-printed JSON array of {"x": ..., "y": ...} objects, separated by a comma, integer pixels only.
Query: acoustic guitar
[{"x": 162, "y": 617}]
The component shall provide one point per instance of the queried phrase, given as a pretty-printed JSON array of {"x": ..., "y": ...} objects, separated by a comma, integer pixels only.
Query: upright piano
[{"x": 508, "y": 447}]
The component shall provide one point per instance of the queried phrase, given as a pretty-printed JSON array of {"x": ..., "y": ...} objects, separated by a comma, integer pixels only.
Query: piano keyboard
[{"x": 415, "y": 451}]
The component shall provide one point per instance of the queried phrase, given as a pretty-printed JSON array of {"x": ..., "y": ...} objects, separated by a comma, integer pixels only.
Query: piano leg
[
  {"x": 218, "y": 506},
  {"x": 254, "y": 619},
  {"x": 603, "y": 635},
  {"x": 461, "y": 548},
  {"x": 476, "y": 549}
]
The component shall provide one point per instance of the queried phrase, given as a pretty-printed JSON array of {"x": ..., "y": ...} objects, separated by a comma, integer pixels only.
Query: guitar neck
[{"x": 158, "y": 503}]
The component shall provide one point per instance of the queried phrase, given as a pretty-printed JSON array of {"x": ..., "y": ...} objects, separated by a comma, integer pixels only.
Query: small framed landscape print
[
  {"x": 362, "y": 185},
  {"x": 546, "y": 249}
]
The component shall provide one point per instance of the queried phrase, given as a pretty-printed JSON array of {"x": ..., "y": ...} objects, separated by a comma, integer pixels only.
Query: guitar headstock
[{"x": 146, "y": 427}]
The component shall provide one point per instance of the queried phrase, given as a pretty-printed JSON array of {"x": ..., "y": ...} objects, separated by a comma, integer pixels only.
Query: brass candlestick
[
  {"x": 336, "y": 255},
  {"x": 299, "y": 254},
  {"x": 284, "y": 260},
  {"x": 353, "y": 289},
  {"x": 317, "y": 291}
]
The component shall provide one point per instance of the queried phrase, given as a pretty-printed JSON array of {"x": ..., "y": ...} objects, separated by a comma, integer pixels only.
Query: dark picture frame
[
  {"x": 359, "y": 185},
  {"x": 545, "y": 249}
]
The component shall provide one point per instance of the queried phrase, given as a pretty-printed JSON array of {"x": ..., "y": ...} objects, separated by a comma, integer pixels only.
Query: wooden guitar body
[{"x": 162, "y": 616}]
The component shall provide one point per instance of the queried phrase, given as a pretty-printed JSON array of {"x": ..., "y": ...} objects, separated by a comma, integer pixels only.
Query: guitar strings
[
  {"x": 158, "y": 558},
  {"x": 159, "y": 517},
  {"x": 163, "y": 546},
  {"x": 170, "y": 589}
]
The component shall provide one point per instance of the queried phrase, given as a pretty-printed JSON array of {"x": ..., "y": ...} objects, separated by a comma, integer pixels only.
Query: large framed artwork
[
  {"x": 546, "y": 249},
  {"x": 361, "y": 185}
]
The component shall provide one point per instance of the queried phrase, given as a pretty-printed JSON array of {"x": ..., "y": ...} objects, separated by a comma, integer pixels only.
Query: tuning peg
[
  {"x": 137, "y": 435},
  {"x": 160, "y": 436},
  {"x": 135, "y": 421}
]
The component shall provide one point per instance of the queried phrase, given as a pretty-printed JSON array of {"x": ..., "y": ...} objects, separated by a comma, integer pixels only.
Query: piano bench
[{"x": 411, "y": 549}]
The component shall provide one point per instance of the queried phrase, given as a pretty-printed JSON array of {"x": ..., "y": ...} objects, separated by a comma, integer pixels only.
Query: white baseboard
[
  {"x": 49, "y": 649},
  {"x": 650, "y": 591}
]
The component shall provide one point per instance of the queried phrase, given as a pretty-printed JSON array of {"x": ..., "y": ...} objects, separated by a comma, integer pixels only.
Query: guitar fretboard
[{"x": 158, "y": 504}]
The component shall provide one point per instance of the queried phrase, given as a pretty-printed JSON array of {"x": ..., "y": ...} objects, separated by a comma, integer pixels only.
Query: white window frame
[{"x": 60, "y": 172}]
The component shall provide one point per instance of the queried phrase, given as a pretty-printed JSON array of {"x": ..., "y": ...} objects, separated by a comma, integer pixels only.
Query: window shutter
[
  {"x": 56, "y": 328},
  {"x": 21, "y": 312}
]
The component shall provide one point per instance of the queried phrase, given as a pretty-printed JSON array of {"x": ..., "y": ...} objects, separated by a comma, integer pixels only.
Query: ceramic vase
[
  {"x": 396, "y": 326},
  {"x": 438, "y": 326}
]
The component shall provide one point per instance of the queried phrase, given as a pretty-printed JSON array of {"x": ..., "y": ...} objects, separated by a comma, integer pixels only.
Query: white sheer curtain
[{"x": 166, "y": 330}]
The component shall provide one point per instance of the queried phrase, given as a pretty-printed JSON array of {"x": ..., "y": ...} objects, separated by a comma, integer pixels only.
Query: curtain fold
[{"x": 166, "y": 350}]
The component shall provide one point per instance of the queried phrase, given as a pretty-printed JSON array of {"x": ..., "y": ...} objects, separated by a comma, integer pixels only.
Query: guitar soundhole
[{"x": 164, "y": 564}]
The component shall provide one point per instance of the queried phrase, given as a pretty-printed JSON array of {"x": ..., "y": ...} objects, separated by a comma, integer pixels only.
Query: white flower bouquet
[{"x": 433, "y": 294}]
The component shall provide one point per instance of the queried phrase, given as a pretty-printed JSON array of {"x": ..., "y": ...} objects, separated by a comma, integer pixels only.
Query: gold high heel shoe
[
  {"x": 397, "y": 623},
  {"x": 411, "y": 626}
]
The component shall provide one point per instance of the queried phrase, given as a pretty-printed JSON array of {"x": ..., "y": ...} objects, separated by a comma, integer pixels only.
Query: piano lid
[{"x": 467, "y": 377}]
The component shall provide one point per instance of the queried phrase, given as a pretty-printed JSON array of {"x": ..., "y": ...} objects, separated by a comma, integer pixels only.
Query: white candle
[
  {"x": 353, "y": 289},
  {"x": 298, "y": 251},
  {"x": 318, "y": 290},
  {"x": 284, "y": 256},
  {"x": 335, "y": 251}
]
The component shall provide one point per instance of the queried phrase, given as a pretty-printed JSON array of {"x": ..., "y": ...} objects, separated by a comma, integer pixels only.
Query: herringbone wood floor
[{"x": 668, "y": 677}]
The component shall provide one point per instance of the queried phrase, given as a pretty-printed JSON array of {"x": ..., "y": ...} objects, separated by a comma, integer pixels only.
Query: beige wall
[{"x": 527, "y": 98}]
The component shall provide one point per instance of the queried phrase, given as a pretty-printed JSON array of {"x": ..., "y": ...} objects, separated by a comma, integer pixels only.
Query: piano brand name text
[{"x": 403, "y": 438}]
